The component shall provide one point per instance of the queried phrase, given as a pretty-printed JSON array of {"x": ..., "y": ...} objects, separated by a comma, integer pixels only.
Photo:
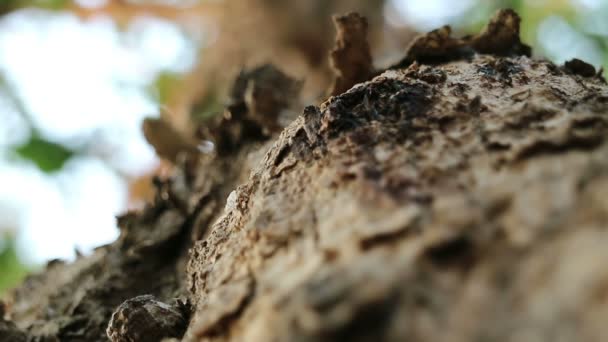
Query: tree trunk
[{"x": 459, "y": 196}]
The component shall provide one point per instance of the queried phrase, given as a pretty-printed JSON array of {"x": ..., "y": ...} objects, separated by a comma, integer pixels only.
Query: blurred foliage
[
  {"x": 50, "y": 4},
  {"x": 8, "y": 5},
  {"x": 532, "y": 15},
  {"x": 164, "y": 86},
  {"x": 12, "y": 271},
  {"x": 207, "y": 107},
  {"x": 46, "y": 155}
]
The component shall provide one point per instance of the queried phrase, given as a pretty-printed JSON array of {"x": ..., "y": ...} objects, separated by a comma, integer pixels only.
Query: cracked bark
[{"x": 458, "y": 196}]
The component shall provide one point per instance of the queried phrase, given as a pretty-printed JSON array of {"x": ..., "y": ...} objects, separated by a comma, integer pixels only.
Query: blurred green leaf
[
  {"x": 165, "y": 84},
  {"x": 12, "y": 271},
  {"x": 48, "y": 156},
  {"x": 51, "y": 4},
  {"x": 209, "y": 106},
  {"x": 8, "y": 5}
]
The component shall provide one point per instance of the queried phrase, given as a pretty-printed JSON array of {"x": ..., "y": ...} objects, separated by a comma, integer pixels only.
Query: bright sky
[
  {"x": 561, "y": 42},
  {"x": 427, "y": 14},
  {"x": 82, "y": 85}
]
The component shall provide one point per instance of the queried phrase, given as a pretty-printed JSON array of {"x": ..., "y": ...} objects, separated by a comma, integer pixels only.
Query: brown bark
[
  {"x": 351, "y": 58},
  {"x": 456, "y": 198}
]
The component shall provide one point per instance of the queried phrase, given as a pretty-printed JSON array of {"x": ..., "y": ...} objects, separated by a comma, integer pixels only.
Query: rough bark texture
[
  {"x": 351, "y": 58},
  {"x": 459, "y": 198}
]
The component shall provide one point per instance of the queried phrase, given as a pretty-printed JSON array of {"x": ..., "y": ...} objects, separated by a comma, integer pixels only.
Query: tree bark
[{"x": 459, "y": 196}]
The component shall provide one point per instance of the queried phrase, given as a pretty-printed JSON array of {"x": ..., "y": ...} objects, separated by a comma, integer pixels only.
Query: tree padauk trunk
[{"x": 459, "y": 196}]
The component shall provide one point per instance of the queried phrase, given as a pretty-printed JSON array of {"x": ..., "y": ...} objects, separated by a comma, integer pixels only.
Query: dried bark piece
[
  {"x": 144, "y": 318},
  {"x": 268, "y": 93},
  {"x": 261, "y": 101},
  {"x": 500, "y": 37},
  {"x": 433, "y": 47},
  {"x": 579, "y": 67},
  {"x": 312, "y": 123},
  {"x": 350, "y": 59},
  {"x": 166, "y": 140}
]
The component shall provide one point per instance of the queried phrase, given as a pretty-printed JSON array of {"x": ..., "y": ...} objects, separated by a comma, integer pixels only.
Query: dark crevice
[
  {"x": 383, "y": 238},
  {"x": 455, "y": 251},
  {"x": 552, "y": 148}
]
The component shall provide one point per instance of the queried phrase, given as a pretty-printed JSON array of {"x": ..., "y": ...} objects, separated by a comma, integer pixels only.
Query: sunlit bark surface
[{"x": 459, "y": 196}]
